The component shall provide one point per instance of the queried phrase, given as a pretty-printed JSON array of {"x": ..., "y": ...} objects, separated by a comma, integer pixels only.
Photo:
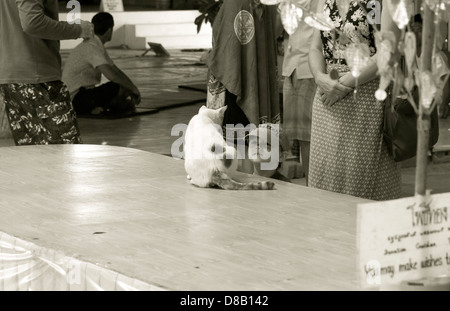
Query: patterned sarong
[{"x": 40, "y": 114}]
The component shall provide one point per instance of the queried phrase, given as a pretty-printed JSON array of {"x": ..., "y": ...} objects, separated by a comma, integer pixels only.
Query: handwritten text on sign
[
  {"x": 401, "y": 241},
  {"x": 112, "y": 5}
]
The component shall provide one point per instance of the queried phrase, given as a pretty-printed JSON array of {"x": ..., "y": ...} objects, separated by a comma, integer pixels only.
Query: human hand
[
  {"x": 87, "y": 30},
  {"x": 136, "y": 97},
  {"x": 331, "y": 91}
]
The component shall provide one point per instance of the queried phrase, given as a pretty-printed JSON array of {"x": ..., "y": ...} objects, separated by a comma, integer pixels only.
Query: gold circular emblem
[{"x": 244, "y": 27}]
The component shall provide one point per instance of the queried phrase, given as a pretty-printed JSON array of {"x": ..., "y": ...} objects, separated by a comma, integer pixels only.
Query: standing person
[
  {"x": 83, "y": 72},
  {"x": 299, "y": 89},
  {"x": 37, "y": 102},
  {"x": 348, "y": 154},
  {"x": 243, "y": 65}
]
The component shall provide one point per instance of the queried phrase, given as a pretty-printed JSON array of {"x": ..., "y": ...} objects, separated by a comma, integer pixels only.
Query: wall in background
[{"x": 156, "y": 26}]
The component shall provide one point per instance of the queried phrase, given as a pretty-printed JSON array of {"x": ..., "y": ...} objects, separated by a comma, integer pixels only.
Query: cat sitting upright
[{"x": 209, "y": 160}]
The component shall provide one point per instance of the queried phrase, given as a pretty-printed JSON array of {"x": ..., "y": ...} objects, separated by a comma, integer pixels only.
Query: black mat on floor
[
  {"x": 199, "y": 87},
  {"x": 172, "y": 99},
  {"x": 139, "y": 112},
  {"x": 155, "y": 102},
  {"x": 180, "y": 104}
]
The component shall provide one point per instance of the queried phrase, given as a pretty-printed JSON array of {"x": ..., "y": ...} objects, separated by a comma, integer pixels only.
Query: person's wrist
[{"x": 319, "y": 78}]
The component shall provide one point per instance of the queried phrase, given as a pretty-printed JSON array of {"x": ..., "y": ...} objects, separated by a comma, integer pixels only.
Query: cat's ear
[
  {"x": 222, "y": 110},
  {"x": 202, "y": 108}
]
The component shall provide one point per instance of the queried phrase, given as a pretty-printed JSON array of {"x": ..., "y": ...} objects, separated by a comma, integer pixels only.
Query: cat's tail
[{"x": 223, "y": 181}]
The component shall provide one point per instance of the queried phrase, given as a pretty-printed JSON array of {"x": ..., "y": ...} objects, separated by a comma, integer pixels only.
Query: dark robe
[{"x": 243, "y": 62}]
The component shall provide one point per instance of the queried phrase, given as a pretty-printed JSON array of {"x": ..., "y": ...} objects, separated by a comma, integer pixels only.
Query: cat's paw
[
  {"x": 188, "y": 177},
  {"x": 267, "y": 185}
]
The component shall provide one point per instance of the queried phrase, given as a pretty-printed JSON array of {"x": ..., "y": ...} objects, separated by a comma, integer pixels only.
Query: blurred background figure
[
  {"x": 299, "y": 89},
  {"x": 83, "y": 73},
  {"x": 36, "y": 101}
]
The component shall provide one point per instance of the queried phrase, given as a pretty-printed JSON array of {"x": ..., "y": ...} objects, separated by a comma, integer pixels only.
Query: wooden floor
[{"x": 158, "y": 75}]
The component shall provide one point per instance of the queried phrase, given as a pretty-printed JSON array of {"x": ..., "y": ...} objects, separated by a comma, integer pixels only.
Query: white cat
[{"x": 209, "y": 160}]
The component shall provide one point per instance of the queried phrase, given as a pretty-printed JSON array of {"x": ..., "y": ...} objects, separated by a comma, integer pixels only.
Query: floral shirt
[{"x": 355, "y": 26}]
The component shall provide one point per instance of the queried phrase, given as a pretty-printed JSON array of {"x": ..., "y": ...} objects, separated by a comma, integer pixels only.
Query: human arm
[
  {"x": 41, "y": 21},
  {"x": 114, "y": 74}
]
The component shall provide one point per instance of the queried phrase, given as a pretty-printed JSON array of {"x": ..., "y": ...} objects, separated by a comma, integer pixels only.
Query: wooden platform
[{"x": 134, "y": 216}]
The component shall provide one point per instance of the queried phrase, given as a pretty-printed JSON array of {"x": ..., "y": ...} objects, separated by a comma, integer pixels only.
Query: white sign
[
  {"x": 111, "y": 6},
  {"x": 400, "y": 241}
]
